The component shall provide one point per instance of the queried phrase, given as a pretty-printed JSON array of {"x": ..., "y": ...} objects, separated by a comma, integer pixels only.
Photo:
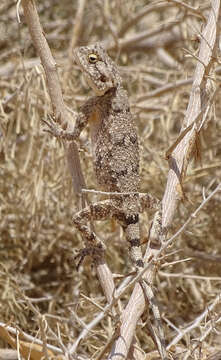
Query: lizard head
[{"x": 98, "y": 68}]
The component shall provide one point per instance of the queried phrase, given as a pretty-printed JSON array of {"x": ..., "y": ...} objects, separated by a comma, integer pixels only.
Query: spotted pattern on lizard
[{"x": 116, "y": 160}]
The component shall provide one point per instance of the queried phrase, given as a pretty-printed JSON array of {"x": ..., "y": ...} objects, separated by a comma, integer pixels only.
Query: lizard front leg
[{"x": 86, "y": 111}]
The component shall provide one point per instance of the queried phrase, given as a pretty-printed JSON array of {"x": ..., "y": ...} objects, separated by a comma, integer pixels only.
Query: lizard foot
[
  {"x": 96, "y": 252},
  {"x": 51, "y": 127}
]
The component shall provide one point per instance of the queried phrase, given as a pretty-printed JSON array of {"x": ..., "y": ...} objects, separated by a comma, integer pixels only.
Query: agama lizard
[{"x": 116, "y": 159}]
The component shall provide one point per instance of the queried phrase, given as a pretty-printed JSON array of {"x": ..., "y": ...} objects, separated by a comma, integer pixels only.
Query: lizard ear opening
[{"x": 93, "y": 58}]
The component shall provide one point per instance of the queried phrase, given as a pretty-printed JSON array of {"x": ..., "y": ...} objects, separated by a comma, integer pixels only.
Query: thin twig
[
  {"x": 137, "y": 295},
  {"x": 196, "y": 322}
]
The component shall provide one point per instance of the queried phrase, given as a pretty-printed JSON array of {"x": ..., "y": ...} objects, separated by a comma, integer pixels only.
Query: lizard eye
[{"x": 93, "y": 58}]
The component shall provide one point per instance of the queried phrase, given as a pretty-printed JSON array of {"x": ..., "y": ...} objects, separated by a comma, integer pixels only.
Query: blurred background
[{"x": 152, "y": 42}]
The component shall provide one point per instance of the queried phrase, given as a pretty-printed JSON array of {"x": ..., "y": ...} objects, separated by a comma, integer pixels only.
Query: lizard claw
[
  {"x": 51, "y": 127},
  {"x": 95, "y": 251}
]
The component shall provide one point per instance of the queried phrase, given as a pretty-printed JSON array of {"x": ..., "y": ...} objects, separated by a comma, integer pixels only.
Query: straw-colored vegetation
[{"x": 41, "y": 291}]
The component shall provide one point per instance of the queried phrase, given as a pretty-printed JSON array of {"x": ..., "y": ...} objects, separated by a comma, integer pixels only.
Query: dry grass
[{"x": 37, "y": 201}]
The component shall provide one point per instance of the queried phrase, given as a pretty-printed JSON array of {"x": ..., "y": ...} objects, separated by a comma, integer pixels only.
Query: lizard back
[{"x": 113, "y": 132}]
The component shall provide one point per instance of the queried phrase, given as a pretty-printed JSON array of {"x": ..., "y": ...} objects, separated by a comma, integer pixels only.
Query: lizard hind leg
[{"x": 98, "y": 211}]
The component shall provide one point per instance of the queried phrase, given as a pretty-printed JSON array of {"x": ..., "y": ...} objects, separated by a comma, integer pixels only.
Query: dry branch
[
  {"x": 199, "y": 102},
  {"x": 75, "y": 35},
  {"x": 136, "y": 304},
  {"x": 29, "y": 338},
  {"x": 145, "y": 11},
  {"x": 197, "y": 321},
  {"x": 63, "y": 116},
  {"x": 146, "y": 36}
]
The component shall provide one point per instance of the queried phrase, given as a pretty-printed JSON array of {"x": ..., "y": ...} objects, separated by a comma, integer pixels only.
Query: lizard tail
[
  {"x": 159, "y": 337},
  {"x": 132, "y": 232}
]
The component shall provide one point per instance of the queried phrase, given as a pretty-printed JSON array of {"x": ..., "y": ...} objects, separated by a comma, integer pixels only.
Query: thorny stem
[
  {"x": 119, "y": 293},
  {"x": 196, "y": 322}
]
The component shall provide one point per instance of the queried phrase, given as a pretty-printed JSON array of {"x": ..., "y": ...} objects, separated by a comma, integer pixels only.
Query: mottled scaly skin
[
  {"x": 115, "y": 144},
  {"x": 115, "y": 156},
  {"x": 116, "y": 160}
]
